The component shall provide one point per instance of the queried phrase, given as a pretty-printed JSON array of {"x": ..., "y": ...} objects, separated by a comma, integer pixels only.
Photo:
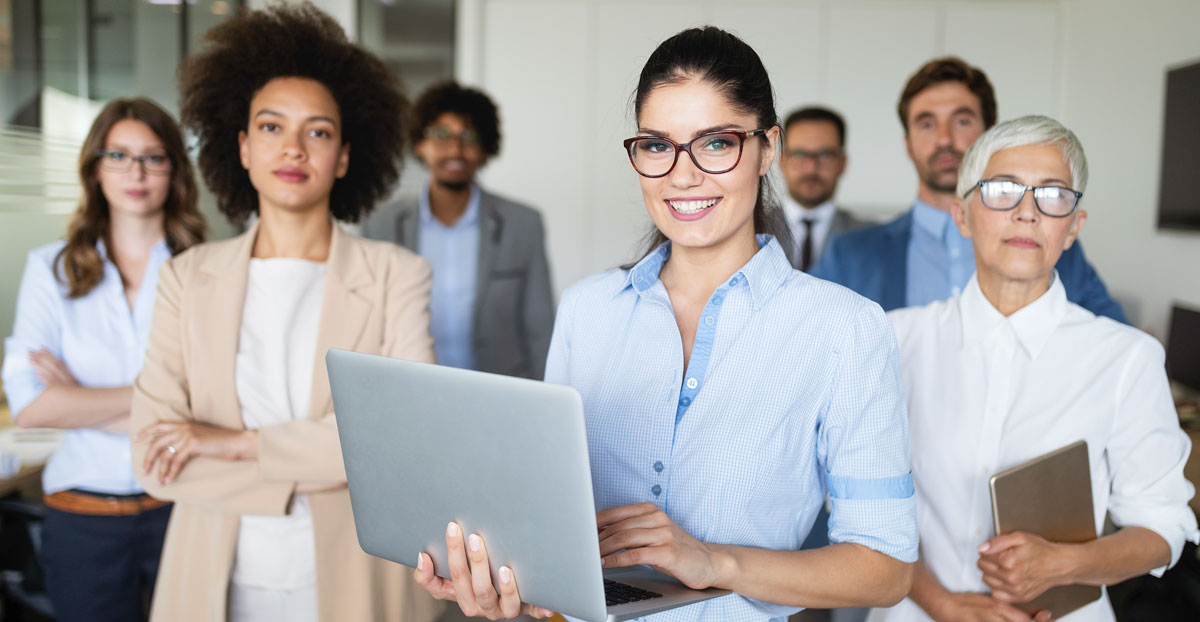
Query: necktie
[{"x": 806, "y": 249}]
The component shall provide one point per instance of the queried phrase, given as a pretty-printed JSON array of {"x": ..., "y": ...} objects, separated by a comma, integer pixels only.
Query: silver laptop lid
[{"x": 424, "y": 445}]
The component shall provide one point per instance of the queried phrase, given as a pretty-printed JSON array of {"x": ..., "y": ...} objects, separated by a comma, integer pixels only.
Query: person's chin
[{"x": 454, "y": 184}]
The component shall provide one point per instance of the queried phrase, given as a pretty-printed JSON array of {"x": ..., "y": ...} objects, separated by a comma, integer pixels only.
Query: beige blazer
[{"x": 376, "y": 300}]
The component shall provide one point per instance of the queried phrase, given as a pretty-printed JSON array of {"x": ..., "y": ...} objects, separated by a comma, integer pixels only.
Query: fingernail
[
  {"x": 505, "y": 574},
  {"x": 603, "y": 562},
  {"x": 420, "y": 561},
  {"x": 983, "y": 547},
  {"x": 452, "y": 529},
  {"x": 474, "y": 542}
]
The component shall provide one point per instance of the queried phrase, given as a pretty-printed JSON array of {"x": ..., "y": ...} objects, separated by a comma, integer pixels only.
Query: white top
[
  {"x": 822, "y": 215},
  {"x": 101, "y": 340},
  {"x": 274, "y": 372},
  {"x": 986, "y": 393}
]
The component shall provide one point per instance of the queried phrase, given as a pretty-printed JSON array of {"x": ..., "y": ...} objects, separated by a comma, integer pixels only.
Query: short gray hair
[{"x": 1020, "y": 132}]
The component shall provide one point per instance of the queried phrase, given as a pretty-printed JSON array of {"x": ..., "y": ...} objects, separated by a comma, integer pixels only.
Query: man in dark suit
[
  {"x": 920, "y": 257},
  {"x": 492, "y": 307},
  {"x": 814, "y": 158}
]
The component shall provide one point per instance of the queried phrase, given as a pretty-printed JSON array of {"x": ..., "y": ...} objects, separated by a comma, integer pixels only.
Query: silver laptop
[
  {"x": 505, "y": 457},
  {"x": 1051, "y": 496}
]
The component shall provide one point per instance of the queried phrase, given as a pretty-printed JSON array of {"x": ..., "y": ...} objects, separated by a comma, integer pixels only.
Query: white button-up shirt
[
  {"x": 986, "y": 393},
  {"x": 101, "y": 340}
]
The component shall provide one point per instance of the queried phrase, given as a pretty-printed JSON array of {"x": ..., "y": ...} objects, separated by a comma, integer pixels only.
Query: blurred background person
[
  {"x": 492, "y": 306},
  {"x": 814, "y": 158},
  {"x": 232, "y": 410},
  {"x": 82, "y": 325}
]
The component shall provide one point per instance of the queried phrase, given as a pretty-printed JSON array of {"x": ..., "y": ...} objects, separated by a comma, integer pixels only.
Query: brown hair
[
  {"x": 79, "y": 263},
  {"x": 949, "y": 69},
  {"x": 243, "y": 53}
]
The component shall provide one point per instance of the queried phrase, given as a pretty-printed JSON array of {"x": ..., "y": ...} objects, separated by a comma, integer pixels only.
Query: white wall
[{"x": 562, "y": 72}]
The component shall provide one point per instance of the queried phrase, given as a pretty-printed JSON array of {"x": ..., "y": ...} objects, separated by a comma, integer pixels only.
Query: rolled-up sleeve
[
  {"x": 38, "y": 318},
  {"x": 863, "y": 443},
  {"x": 1146, "y": 454}
]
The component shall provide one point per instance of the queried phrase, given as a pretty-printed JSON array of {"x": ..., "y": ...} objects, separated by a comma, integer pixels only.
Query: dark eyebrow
[
  {"x": 709, "y": 130},
  {"x": 280, "y": 114},
  {"x": 964, "y": 110}
]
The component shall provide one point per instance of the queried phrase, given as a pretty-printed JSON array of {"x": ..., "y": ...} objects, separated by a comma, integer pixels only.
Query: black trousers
[{"x": 102, "y": 568}]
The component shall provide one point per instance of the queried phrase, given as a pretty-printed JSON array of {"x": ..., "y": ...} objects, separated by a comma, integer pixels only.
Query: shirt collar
[
  {"x": 1033, "y": 324},
  {"x": 796, "y": 212},
  {"x": 469, "y": 217},
  {"x": 933, "y": 220},
  {"x": 764, "y": 273}
]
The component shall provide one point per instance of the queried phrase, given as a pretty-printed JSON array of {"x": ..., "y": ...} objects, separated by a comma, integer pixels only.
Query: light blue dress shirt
[
  {"x": 792, "y": 390},
  {"x": 454, "y": 254},
  {"x": 940, "y": 259},
  {"x": 101, "y": 341}
]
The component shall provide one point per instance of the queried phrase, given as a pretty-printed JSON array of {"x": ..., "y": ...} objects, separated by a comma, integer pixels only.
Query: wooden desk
[{"x": 1191, "y": 470}]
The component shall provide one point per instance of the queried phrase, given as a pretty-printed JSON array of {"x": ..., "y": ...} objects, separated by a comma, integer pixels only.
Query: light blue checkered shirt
[{"x": 792, "y": 390}]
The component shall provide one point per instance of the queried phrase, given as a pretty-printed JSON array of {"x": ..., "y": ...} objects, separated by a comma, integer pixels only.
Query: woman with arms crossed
[
  {"x": 724, "y": 391},
  {"x": 232, "y": 410},
  {"x": 1010, "y": 370},
  {"x": 82, "y": 323}
]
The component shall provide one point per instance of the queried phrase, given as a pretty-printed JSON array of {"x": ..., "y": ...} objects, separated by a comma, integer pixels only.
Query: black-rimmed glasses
[
  {"x": 119, "y": 161},
  {"x": 1005, "y": 194},
  {"x": 714, "y": 152}
]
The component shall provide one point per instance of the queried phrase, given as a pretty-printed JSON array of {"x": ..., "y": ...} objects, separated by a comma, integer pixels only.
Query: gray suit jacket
[
  {"x": 843, "y": 221},
  {"x": 514, "y": 304}
]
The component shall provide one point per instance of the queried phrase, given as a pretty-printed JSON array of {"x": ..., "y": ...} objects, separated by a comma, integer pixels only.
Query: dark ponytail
[{"x": 724, "y": 61}]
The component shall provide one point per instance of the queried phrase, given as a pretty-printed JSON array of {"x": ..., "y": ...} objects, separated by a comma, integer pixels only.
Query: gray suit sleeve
[{"x": 537, "y": 313}]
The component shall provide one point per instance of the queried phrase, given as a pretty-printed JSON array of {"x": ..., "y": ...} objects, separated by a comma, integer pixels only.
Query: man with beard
[
  {"x": 813, "y": 161},
  {"x": 492, "y": 307},
  {"x": 921, "y": 257}
]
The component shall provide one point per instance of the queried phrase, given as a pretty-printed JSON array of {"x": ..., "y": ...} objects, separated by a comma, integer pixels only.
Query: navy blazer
[{"x": 874, "y": 262}]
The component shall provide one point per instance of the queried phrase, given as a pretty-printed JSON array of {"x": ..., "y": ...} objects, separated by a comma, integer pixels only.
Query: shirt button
[
  {"x": 956, "y": 291},
  {"x": 692, "y": 383},
  {"x": 710, "y": 320},
  {"x": 658, "y": 466},
  {"x": 657, "y": 490},
  {"x": 733, "y": 281},
  {"x": 717, "y": 300},
  {"x": 685, "y": 401},
  {"x": 954, "y": 252}
]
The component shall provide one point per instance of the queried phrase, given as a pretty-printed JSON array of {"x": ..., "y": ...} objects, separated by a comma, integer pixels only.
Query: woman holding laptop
[
  {"x": 724, "y": 392},
  {"x": 1011, "y": 370}
]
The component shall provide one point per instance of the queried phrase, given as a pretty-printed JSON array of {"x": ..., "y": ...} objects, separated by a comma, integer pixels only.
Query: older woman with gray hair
[{"x": 1010, "y": 370}]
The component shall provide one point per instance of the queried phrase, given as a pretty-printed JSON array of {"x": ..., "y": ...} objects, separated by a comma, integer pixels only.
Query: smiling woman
[
  {"x": 724, "y": 392},
  {"x": 232, "y": 413}
]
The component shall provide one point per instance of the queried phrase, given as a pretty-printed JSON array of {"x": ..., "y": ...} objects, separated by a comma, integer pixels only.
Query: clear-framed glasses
[
  {"x": 442, "y": 135},
  {"x": 1005, "y": 194},
  {"x": 822, "y": 157},
  {"x": 714, "y": 152},
  {"x": 119, "y": 161}
]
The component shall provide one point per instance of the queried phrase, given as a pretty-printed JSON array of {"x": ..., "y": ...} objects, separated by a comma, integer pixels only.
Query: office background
[{"x": 562, "y": 72}]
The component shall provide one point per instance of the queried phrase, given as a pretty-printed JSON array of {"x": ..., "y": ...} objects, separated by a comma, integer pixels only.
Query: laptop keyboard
[{"x": 620, "y": 593}]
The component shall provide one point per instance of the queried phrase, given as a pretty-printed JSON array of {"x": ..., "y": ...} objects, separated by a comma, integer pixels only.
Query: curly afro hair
[
  {"x": 473, "y": 105},
  {"x": 244, "y": 53}
]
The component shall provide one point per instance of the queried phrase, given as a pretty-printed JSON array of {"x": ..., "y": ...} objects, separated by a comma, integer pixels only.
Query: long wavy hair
[{"x": 79, "y": 264}]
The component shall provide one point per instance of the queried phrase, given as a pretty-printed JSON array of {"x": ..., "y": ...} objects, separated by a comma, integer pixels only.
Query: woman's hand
[
  {"x": 51, "y": 371},
  {"x": 968, "y": 607},
  {"x": 642, "y": 534},
  {"x": 470, "y": 582},
  {"x": 1021, "y": 566},
  {"x": 173, "y": 444}
]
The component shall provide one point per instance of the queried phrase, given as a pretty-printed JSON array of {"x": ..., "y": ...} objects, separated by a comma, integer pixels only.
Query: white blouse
[
  {"x": 274, "y": 371},
  {"x": 986, "y": 393}
]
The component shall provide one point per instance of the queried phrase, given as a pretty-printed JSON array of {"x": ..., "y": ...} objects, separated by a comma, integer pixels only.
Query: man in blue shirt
[
  {"x": 492, "y": 307},
  {"x": 920, "y": 257}
]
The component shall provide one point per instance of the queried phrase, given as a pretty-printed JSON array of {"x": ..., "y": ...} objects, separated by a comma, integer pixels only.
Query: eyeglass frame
[
  {"x": 474, "y": 141},
  {"x": 1025, "y": 188},
  {"x": 741, "y": 134},
  {"x": 821, "y": 157},
  {"x": 102, "y": 156}
]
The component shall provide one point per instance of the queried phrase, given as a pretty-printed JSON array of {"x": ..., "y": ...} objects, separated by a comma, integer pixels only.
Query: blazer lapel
[
  {"x": 219, "y": 303},
  {"x": 895, "y": 257},
  {"x": 344, "y": 311},
  {"x": 490, "y": 226}
]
